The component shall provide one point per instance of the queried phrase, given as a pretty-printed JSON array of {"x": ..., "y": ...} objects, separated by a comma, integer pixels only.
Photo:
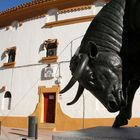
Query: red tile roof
[
  {"x": 37, "y": 8},
  {"x": 25, "y": 5}
]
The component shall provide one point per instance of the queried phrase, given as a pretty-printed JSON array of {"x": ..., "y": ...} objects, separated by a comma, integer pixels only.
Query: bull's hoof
[{"x": 120, "y": 121}]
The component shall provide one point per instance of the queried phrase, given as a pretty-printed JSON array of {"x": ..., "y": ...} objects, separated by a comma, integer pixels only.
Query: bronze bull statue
[{"x": 107, "y": 63}]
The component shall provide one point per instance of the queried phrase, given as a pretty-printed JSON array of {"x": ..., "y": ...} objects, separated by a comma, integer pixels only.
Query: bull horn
[
  {"x": 83, "y": 60},
  {"x": 69, "y": 85},
  {"x": 79, "y": 93}
]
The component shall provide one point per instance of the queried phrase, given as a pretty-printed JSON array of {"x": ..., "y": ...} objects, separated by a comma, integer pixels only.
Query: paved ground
[
  {"x": 19, "y": 134},
  {"x": 131, "y": 133}
]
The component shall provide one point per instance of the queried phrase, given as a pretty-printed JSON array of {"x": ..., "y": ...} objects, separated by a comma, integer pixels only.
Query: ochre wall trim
[
  {"x": 12, "y": 121},
  {"x": 69, "y": 21},
  {"x": 65, "y": 123},
  {"x": 49, "y": 59},
  {"x": 9, "y": 64},
  {"x": 39, "y": 111}
]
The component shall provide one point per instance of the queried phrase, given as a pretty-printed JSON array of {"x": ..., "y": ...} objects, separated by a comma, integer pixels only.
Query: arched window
[
  {"x": 7, "y": 94},
  {"x": 7, "y": 100}
]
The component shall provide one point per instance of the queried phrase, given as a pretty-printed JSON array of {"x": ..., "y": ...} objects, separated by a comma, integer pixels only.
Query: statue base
[{"x": 100, "y": 133}]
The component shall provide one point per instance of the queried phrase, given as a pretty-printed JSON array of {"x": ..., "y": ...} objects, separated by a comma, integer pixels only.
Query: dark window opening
[
  {"x": 11, "y": 55},
  {"x": 49, "y": 107},
  {"x": 51, "y": 47},
  {"x": 7, "y": 94}
]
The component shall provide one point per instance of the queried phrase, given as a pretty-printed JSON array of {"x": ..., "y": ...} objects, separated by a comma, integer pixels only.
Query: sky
[{"x": 6, "y": 4}]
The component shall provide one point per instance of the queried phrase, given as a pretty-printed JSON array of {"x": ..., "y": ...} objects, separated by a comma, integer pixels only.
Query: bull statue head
[{"x": 96, "y": 64}]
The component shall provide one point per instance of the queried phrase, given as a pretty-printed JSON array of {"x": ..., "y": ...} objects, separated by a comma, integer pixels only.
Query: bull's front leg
[{"x": 126, "y": 111}]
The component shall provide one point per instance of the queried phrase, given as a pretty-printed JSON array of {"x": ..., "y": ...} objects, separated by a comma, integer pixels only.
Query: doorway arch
[{"x": 43, "y": 111}]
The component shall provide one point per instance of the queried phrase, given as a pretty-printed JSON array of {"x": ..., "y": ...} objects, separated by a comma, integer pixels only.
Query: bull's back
[{"x": 130, "y": 51}]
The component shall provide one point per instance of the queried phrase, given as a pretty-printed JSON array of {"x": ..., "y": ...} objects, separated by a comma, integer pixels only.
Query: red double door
[{"x": 49, "y": 107}]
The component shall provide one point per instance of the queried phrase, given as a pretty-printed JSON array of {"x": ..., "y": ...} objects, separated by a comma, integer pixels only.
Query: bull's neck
[
  {"x": 107, "y": 49},
  {"x": 106, "y": 29}
]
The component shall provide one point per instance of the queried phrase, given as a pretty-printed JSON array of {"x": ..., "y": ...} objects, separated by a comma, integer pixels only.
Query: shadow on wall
[
  {"x": 41, "y": 48},
  {"x": 47, "y": 73},
  {"x": 2, "y": 89},
  {"x": 22, "y": 135},
  {"x": 3, "y": 55}
]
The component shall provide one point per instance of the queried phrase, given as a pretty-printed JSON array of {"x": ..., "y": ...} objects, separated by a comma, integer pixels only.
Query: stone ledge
[{"x": 100, "y": 133}]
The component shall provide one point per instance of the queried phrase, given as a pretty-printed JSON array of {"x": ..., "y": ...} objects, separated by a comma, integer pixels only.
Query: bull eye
[
  {"x": 118, "y": 67},
  {"x": 92, "y": 50},
  {"x": 91, "y": 76}
]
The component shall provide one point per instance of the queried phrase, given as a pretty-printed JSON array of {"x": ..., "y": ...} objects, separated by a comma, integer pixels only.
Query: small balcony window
[
  {"x": 50, "y": 46},
  {"x": 10, "y": 54}
]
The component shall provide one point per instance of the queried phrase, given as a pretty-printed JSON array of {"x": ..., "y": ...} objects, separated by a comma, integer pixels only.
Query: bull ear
[{"x": 92, "y": 50}]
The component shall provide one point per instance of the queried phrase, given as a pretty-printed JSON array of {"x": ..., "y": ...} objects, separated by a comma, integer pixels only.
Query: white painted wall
[{"x": 23, "y": 80}]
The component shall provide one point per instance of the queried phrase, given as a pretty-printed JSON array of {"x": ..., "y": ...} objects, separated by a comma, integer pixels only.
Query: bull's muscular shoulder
[
  {"x": 131, "y": 37},
  {"x": 133, "y": 10},
  {"x": 131, "y": 29}
]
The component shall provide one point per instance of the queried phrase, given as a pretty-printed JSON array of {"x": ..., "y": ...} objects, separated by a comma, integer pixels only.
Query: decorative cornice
[
  {"x": 37, "y": 8},
  {"x": 73, "y": 9},
  {"x": 68, "y": 21}
]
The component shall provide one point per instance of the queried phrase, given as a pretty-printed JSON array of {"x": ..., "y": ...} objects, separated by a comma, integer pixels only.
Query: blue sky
[{"x": 6, "y": 4}]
